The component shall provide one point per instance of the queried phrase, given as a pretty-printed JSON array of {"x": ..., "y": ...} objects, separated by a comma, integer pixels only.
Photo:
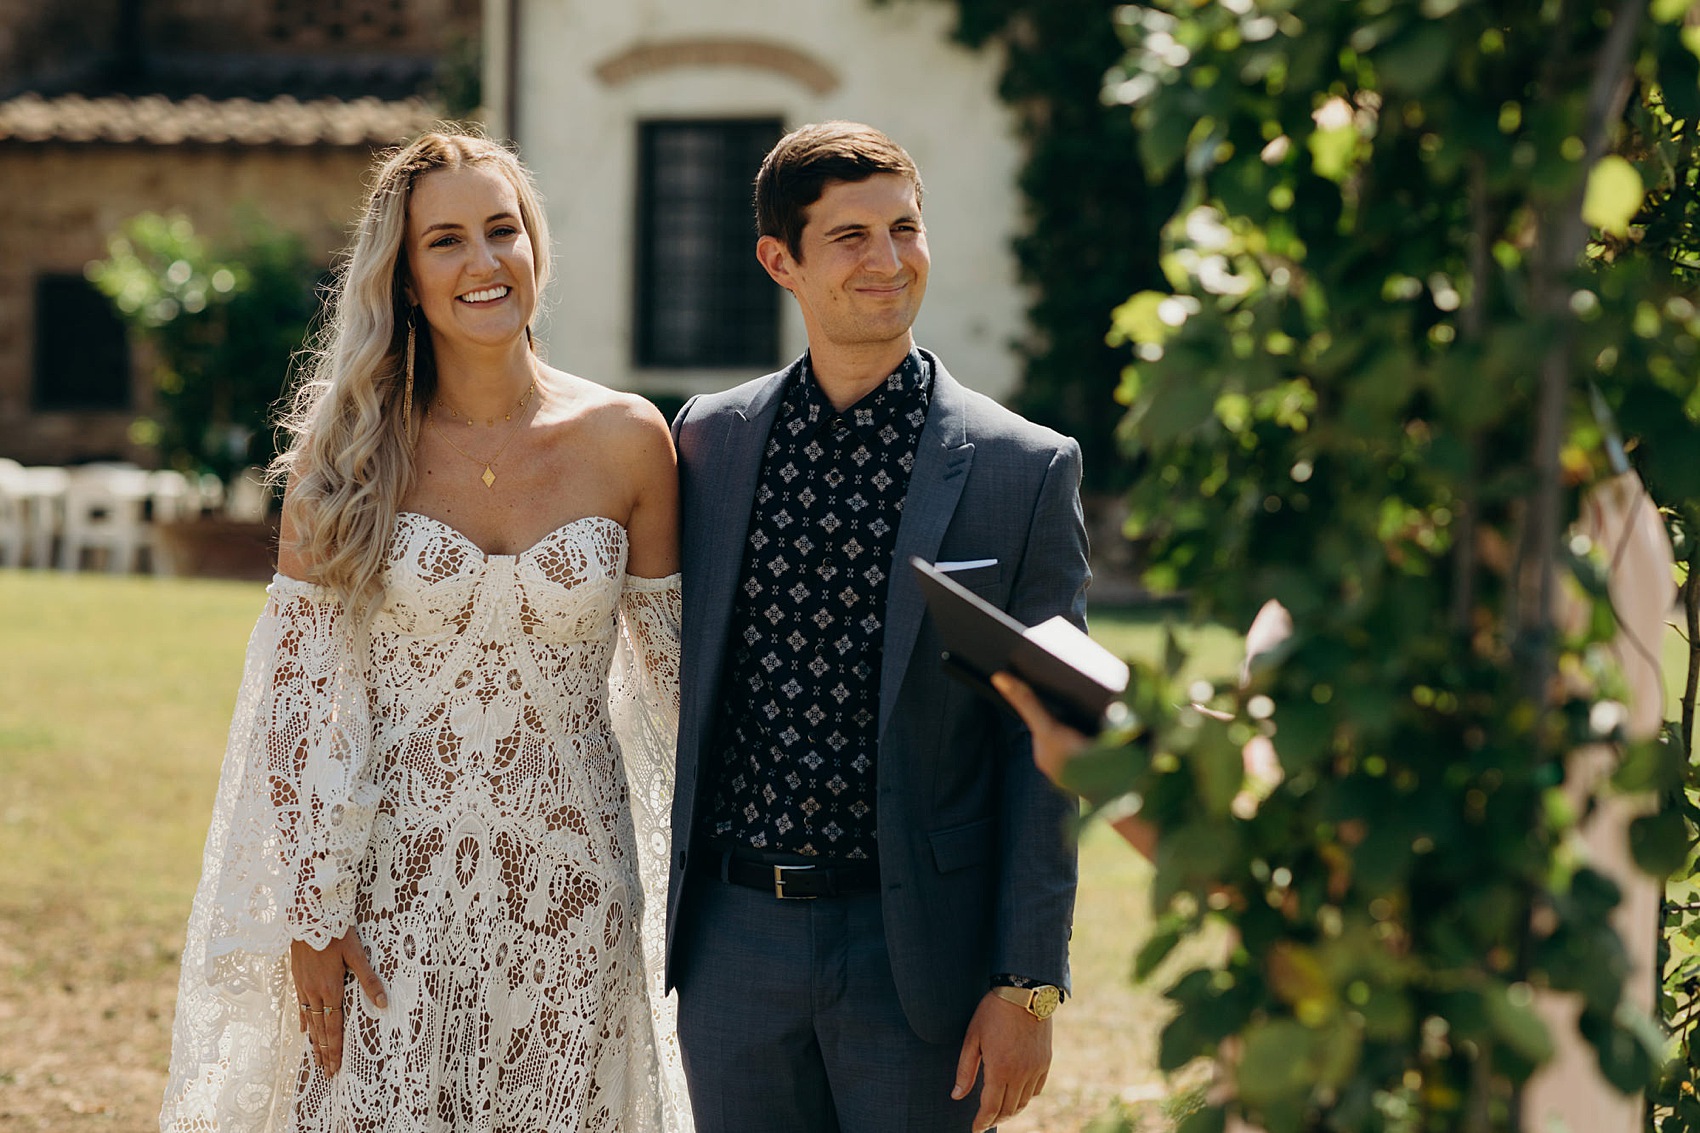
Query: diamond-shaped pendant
[{"x": 489, "y": 477}]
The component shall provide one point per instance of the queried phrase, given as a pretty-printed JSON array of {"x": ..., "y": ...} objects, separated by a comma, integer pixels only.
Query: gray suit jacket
[{"x": 977, "y": 868}]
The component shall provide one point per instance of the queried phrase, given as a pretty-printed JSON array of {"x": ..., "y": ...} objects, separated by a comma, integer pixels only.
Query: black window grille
[
  {"x": 702, "y": 299},
  {"x": 82, "y": 358}
]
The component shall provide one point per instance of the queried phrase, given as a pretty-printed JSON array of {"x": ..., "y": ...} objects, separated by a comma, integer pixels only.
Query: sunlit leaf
[
  {"x": 1137, "y": 320},
  {"x": 1210, "y": 1119},
  {"x": 1613, "y": 196},
  {"x": 1331, "y": 151},
  {"x": 1670, "y": 11}
]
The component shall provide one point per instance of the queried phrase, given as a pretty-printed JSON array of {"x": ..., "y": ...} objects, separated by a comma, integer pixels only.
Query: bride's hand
[{"x": 320, "y": 975}]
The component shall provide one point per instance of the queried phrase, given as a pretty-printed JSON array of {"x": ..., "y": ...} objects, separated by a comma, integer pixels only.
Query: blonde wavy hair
[{"x": 348, "y": 461}]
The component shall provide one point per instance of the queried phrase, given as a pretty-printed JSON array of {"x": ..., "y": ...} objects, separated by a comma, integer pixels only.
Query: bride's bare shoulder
[{"x": 628, "y": 424}]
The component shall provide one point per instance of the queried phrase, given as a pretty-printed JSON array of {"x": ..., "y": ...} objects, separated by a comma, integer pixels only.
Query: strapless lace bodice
[
  {"x": 452, "y": 787},
  {"x": 559, "y": 591}
]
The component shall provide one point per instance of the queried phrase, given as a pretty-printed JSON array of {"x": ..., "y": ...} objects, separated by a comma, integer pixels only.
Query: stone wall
[{"x": 64, "y": 200}]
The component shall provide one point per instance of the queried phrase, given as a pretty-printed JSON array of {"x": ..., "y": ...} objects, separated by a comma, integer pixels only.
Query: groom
[{"x": 869, "y": 910}]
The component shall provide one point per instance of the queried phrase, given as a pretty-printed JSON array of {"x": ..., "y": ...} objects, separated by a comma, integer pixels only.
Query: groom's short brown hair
[{"x": 797, "y": 170}]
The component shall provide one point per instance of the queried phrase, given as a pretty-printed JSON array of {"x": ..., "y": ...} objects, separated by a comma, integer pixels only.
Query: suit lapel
[
  {"x": 714, "y": 538},
  {"x": 942, "y": 460}
]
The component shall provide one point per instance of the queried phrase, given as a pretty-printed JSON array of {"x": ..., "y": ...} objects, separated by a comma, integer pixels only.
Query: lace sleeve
[
  {"x": 644, "y": 704},
  {"x": 297, "y": 797},
  {"x": 643, "y": 697},
  {"x": 295, "y": 803}
]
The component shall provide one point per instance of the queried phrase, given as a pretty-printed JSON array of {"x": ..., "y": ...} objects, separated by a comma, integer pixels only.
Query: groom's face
[{"x": 861, "y": 266}]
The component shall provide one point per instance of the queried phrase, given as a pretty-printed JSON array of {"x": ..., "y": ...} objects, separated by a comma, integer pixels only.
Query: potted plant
[{"x": 222, "y": 323}]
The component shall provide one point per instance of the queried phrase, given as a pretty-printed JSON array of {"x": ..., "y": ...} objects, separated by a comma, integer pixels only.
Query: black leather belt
[{"x": 800, "y": 882}]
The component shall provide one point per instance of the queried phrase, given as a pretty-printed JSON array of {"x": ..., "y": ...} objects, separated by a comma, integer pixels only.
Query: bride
[{"x": 423, "y": 900}]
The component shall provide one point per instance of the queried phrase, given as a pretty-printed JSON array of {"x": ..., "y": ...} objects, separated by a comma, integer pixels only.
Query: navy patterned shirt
[{"x": 799, "y": 714}]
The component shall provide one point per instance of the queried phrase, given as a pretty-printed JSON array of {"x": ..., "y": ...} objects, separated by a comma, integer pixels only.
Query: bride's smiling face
[{"x": 470, "y": 262}]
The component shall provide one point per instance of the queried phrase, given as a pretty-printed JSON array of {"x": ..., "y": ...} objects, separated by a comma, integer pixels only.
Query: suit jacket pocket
[
  {"x": 962, "y": 846},
  {"x": 977, "y": 578}
]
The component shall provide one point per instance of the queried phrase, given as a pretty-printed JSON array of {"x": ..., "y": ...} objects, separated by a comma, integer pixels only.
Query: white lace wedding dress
[{"x": 456, "y": 791}]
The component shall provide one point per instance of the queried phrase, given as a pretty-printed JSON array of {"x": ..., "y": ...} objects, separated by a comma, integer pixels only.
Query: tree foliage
[
  {"x": 1091, "y": 220},
  {"x": 1432, "y": 255},
  {"x": 223, "y": 324}
]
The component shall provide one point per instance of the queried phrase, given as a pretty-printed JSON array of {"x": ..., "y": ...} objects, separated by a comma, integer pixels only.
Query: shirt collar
[{"x": 906, "y": 389}]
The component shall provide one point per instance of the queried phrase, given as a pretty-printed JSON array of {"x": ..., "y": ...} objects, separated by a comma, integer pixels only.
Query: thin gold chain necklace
[
  {"x": 489, "y": 422},
  {"x": 489, "y": 476}
]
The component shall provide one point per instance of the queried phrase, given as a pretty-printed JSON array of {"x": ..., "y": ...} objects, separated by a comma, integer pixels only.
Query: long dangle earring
[{"x": 407, "y": 393}]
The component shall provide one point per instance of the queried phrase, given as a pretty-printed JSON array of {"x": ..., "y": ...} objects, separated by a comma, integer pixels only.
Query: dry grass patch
[{"x": 118, "y": 694}]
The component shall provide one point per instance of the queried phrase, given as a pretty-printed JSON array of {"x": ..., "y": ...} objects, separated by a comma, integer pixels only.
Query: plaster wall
[{"x": 891, "y": 65}]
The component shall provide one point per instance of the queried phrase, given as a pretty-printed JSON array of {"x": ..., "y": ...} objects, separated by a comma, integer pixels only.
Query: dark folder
[{"x": 1074, "y": 676}]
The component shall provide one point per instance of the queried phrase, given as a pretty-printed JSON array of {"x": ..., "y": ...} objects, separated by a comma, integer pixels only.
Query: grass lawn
[
  {"x": 117, "y": 695},
  {"x": 1212, "y": 652}
]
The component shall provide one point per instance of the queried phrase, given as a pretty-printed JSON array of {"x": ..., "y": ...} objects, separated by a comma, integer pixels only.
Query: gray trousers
[{"x": 789, "y": 1021}]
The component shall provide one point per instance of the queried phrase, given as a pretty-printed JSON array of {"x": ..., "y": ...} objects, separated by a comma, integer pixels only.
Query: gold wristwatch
[{"x": 1040, "y": 1002}]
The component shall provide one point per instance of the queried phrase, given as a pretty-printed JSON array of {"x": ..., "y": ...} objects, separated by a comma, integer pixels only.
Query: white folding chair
[
  {"x": 249, "y": 498},
  {"x": 172, "y": 498},
  {"x": 44, "y": 512},
  {"x": 210, "y": 490},
  {"x": 14, "y": 506},
  {"x": 104, "y": 516}
]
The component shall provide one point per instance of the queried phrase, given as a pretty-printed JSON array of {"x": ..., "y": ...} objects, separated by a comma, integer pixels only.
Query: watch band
[{"x": 1040, "y": 1002}]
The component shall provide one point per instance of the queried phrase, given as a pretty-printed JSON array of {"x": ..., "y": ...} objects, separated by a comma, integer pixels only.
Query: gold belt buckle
[{"x": 779, "y": 872}]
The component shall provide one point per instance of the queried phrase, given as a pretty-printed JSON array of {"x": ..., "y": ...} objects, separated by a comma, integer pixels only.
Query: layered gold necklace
[
  {"x": 489, "y": 475},
  {"x": 490, "y": 422}
]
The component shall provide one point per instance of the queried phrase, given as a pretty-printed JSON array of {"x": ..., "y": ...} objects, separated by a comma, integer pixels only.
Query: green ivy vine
[
  {"x": 1091, "y": 218},
  {"x": 1419, "y": 240}
]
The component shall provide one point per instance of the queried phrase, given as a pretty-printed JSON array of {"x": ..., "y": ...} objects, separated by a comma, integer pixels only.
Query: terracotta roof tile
[{"x": 156, "y": 120}]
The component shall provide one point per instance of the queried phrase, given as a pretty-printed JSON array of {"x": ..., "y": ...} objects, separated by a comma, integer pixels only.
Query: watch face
[{"x": 1045, "y": 1000}]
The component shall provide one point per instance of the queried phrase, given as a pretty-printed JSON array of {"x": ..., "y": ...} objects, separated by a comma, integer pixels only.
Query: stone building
[
  {"x": 645, "y": 120},
  {"x": 109, "y": 108}
]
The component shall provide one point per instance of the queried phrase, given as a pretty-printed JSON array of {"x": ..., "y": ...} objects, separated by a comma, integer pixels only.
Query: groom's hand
[{"x": 1014, "y": 1049}]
